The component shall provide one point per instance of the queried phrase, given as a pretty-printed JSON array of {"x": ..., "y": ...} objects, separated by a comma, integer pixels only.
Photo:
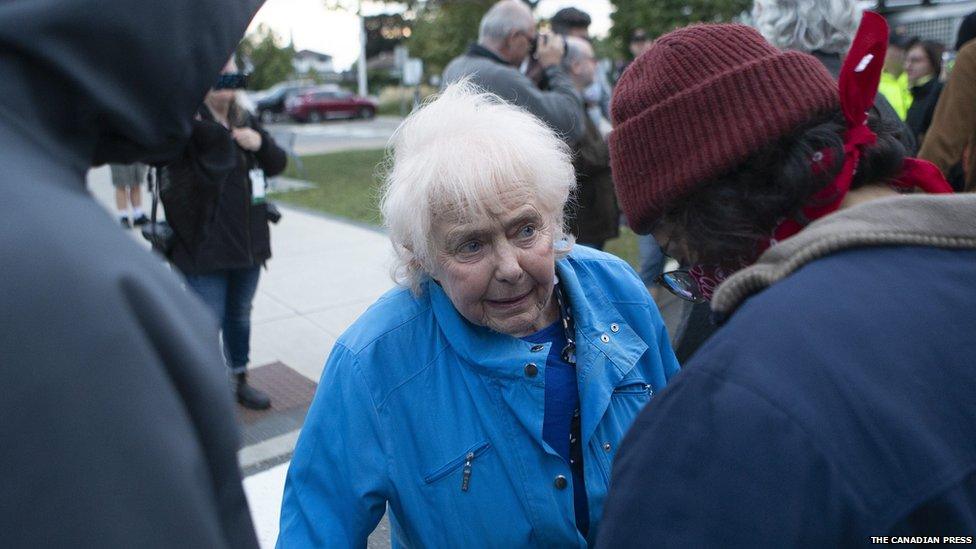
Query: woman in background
[{"x": 214, "y": 198}]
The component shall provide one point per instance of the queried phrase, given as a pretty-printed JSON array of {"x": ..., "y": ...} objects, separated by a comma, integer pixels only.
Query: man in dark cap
[
  {"x": 571, "y": 22},
  {"x": 115, "y": 419}
]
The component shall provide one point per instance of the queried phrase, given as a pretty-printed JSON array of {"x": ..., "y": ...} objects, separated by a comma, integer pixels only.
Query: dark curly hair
[{"x": 722, "y": 221}]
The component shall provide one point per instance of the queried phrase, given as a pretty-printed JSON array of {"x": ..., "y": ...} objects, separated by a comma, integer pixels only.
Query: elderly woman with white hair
[{"x": 483, "y": 400}]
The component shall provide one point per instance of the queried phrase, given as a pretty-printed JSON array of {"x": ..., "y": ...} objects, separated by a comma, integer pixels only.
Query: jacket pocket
[
  {"x": 466, "y": 460},
  {"x": 635, "y": 388}
]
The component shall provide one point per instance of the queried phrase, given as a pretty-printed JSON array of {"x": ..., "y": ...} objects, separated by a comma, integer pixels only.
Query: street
[{"x": 335, "y": 135}]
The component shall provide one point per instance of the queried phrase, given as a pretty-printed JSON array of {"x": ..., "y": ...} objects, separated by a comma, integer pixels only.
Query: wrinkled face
[
  {"x": 499, "y": 270},
  {"x": 917, "y": 64}
]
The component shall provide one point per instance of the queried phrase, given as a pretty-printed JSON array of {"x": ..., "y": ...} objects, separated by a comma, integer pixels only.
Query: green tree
[
  {"x": 271, "y": 61},
  {"x": 658, "y": 17},
  {"x": 443, "y": 29}
]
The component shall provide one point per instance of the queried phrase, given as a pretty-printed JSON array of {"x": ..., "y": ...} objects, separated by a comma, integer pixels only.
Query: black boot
[{"x": 248, "y": 396}]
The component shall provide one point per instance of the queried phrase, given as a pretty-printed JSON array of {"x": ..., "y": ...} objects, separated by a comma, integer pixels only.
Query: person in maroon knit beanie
[{"x": 833, "y": 405}]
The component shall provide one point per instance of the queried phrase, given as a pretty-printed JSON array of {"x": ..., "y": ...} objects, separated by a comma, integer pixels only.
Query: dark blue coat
[{"x": 838, "y": 404}]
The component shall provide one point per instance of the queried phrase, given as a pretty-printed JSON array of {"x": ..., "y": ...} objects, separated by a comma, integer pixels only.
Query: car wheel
[
  {"x": 366, "y": 113},
  {"x": 314, "y": 117},
  {"x": 267, "y": 117}
]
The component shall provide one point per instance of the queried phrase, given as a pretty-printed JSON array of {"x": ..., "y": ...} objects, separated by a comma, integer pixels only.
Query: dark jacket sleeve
[
  {"x": 209, "y": 157},
  {"x": 270, "y": 156},
  {"x": 712, "y": 464}
]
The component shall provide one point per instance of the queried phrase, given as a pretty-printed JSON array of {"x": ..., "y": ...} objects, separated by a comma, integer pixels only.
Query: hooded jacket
[
  {"x": 836, "y": 402},
  {"x": 115, "y": 416}
]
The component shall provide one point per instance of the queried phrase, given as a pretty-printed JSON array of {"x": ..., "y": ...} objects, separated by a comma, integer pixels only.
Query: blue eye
[
  {"x": 470, "y": 247},
  {"x": 527, "y": 231}
]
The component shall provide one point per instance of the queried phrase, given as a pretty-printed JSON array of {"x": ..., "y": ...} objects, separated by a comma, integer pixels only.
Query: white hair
[
  {"x": 807, "y": 25},
  {"x": 504, "y": 18},
  {"x": 575, "y": 50},
  {"x": 459, "y": 153}
]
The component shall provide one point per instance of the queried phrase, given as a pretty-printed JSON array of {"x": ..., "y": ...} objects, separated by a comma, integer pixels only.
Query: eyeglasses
[{"x": 682, "y": 284}]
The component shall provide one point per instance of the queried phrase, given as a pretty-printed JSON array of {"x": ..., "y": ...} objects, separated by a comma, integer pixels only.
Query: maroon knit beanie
[{"x": 698, "y": 103}]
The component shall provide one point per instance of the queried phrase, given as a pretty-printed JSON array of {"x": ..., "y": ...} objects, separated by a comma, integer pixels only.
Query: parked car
[
  {"x": 319, "y": 104},
  {"x": 270, "y": 104}
]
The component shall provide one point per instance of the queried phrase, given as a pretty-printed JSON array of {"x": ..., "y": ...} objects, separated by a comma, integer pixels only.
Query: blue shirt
[
  {"x": 438, "y": 422},
  {"x": 562, "y": 403}
]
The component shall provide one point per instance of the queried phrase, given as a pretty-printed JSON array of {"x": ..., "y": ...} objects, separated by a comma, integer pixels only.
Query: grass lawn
[{"x": 347, "y": 185}]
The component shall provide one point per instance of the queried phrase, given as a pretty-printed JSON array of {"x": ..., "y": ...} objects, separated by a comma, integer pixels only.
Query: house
[{"x": 308, "y": 61}]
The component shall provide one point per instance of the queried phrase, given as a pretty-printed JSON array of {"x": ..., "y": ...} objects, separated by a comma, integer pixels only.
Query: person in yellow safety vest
[{"x": 894, "y": 80}]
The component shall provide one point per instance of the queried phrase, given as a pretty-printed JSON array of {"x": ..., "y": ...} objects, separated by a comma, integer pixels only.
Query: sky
[{"x": 336, "y": 32}]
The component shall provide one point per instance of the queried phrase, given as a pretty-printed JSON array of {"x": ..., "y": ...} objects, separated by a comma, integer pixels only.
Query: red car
[{"x": 318, "y": 105}]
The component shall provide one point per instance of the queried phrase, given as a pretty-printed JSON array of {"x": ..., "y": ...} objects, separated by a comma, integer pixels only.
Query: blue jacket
[
  {"x": 836, "y": 404},
  {"x": 412, "y": 391}
]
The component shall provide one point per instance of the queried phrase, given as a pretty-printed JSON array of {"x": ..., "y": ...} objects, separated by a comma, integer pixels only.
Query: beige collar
[{"x": 939, "y": 221}]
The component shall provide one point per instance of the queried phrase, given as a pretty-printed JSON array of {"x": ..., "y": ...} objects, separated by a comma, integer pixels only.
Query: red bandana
[{"x": 859, "y": 79}]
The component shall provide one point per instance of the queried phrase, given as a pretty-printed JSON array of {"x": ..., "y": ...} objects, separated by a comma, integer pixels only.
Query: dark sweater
[{"x": 924, "y": 100}]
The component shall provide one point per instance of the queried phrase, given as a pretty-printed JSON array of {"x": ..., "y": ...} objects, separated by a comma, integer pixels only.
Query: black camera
[
  {"x": 231, "y": 81},
  {"x": 160, "y": 235},
  {"x": 272, "y": 213}
]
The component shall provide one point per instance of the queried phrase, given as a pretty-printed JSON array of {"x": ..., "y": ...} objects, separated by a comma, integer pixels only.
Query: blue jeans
[
  {"x": 651, "y": 258},
  {"x": 229, "y": 293}
]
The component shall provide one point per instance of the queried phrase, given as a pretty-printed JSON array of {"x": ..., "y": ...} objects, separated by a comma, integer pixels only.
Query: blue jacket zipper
[
  {"x": 467, "y": 460},
  {"x": 634, "y": 389}
]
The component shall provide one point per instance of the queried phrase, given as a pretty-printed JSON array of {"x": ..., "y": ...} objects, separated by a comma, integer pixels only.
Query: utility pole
[{"x": 361, "y": 64}]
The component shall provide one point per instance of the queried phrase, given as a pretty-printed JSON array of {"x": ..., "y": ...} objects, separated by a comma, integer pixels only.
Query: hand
[
  {"x": 550, "y": 50},
  {"x": 247, "y": 139}
]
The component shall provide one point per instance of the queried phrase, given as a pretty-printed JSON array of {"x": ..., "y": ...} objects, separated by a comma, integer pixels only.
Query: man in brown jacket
[{"x": 953, "y": 130}]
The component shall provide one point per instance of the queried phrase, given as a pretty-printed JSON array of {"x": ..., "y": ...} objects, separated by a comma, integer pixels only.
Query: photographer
[
  {"x": 507, "y": 37},
  {"x": 214, "y": 199}
]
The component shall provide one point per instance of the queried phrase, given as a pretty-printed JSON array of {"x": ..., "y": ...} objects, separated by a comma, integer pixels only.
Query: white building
[{"x": 307, "y": 61}]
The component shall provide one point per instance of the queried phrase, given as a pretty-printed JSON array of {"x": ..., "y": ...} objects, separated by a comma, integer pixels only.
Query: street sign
[
  {"x": 413, "y": 71},
  {"x": 400, "y": 54}
]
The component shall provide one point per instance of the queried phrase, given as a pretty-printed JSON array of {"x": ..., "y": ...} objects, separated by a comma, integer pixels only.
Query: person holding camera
[
  {"x": 214, "y": 196},
  {"x": 506, "y": 39}
]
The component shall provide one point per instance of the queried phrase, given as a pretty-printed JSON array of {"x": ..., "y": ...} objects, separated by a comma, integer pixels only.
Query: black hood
[{"x": 96, "y": 81}]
